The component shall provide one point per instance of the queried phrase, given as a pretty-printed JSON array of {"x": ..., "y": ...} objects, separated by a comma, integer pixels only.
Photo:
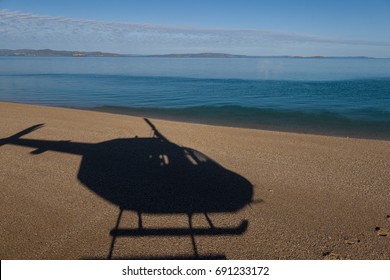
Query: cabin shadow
[{"x": 155, "y": 176}]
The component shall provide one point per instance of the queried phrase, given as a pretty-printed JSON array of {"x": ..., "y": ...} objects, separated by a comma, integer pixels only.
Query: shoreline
[
  {"x": 312, "y": 197},
  {"x": 322, "y": 131},
  {"x": 339, "y": 132}
]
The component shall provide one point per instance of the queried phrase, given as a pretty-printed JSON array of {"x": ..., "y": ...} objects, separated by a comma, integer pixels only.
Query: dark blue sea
[{"x": 343, "y": 97}]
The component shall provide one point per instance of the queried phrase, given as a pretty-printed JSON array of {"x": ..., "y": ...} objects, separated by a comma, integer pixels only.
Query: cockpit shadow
[{"x": 155, "y": 176}]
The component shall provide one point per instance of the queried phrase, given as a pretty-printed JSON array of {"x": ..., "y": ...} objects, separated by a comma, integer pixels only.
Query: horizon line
[{"x": 204, "y": 54}]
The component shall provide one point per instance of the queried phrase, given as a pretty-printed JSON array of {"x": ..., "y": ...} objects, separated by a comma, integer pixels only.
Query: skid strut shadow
[{"x": 153, "y": 175}]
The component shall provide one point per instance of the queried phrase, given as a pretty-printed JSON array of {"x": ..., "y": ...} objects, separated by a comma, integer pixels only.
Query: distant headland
[
  {"x": 54, "y": 53},
  {"x": 49, "y": 52}
]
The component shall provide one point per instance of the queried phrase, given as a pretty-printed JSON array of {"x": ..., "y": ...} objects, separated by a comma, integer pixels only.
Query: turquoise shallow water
[{"x": 349, "y": 97}]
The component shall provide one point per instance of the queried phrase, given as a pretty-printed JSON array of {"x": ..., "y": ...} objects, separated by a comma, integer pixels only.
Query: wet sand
[{"x": 311, "y": 197}]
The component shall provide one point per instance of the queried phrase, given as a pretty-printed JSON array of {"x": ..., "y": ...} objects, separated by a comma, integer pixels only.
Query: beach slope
[{"x": 88, "y": 185}]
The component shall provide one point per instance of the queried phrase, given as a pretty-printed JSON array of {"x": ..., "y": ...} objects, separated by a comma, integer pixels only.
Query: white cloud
[{"x": 26, "y": 30}]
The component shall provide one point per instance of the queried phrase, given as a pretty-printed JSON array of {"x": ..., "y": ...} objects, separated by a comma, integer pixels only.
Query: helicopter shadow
[{"x": 155, "y": 176}]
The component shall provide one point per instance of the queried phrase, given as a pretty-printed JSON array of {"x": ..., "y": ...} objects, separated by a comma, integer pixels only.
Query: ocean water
[{"x": 346, "y": 97}]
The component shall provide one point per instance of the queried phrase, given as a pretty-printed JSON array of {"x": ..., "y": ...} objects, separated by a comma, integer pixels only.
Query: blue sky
[{"x": 252, "y": 27}]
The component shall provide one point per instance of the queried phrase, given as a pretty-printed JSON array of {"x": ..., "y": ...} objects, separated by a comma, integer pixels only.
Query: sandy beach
[{"x": 278, "y": 196}]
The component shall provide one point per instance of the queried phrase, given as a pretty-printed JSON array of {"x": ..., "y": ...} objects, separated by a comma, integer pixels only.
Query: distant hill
[
  {"x": 200, "y": 55},
  {"x": 49, "y": 52},
  {"x": 225, "y": 55}
]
